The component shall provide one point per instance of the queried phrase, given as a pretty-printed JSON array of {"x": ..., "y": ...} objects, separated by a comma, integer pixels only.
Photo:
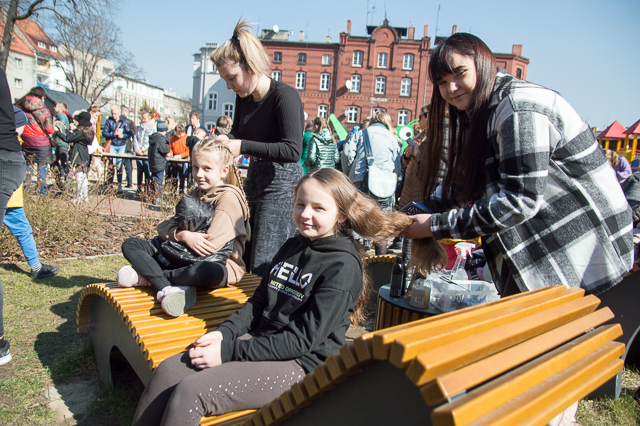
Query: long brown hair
[
  {"x": 87, "y": 132},
  {"x": 364, "y": 216},
  {"x": 468, "y": 143}
]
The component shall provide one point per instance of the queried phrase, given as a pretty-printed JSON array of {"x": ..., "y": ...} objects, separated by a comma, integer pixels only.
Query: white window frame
[
  {"x": 209, "y": 126},
  {"x": 356, "y": 81},
  {"x": 323, "y": 111},
  {"x": 17, "y": 82},
  {"x": 407, "y": 61},
  {"x": 53, "y": 48},
  {"x": 358, "y": 58},
  {"x": 42, "y": 44},
  {"x": 376, "y": 109},
  {"x": 381, "y": 85},
  {"x": 276, "y": 75},
  {"x": 228, "y": 110},
  {"x": 403, "y": 117},
  {"x": 383, "y": 60},
  {"x": 301, "y": 79},
  {"x": 212, "y": 101},
  {"x": 405, "y": 87},
  {"x": 17, "y": 62},
  {"x": 325, "y": 81},
  {"x": 326, "y": 59},
  {"x": 352, "y": 113}
]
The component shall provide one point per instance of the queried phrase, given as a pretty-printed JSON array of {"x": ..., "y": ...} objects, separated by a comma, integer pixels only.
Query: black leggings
[
  {"x": 178, "y": 394},
  {"x": 144, "y": 258}
]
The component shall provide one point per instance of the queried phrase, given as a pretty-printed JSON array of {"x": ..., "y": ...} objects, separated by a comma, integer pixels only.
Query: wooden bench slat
[
  {"x": 572, "y": 358},
  {"x": 481, "y": 371},
  {"x": 452, "y": 320},
  {"x": 224, "y": 419}
]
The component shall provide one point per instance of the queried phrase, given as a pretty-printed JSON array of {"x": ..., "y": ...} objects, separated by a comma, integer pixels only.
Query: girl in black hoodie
[
  {"x": 79, "y": 156},
  {"x": 297, "y": 317}
]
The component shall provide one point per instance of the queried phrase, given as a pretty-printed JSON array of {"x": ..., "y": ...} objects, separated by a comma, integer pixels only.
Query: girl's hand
[
  {"x": 209, "y": 338},
  {"x": 206, "y": 356},
  {"x": 408, "y": 151},
  {"x": 197, "y": 242},
  {"x": 420, "y": 228}
]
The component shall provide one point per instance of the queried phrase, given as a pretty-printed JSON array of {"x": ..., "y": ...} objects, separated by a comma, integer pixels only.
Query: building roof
[
  {"x": 34, "y": 34},
  {"x": 17, "y": 44},
  {"x": 634, "y": 129},
  {"x": 615, "y": 131},
  {"x": 74, "y": 102}
]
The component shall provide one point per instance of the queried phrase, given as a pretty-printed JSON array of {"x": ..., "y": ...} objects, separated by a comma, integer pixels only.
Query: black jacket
[
  {"x": 79, "y": 152},
  {"x": 8, "y": 136},
  {"x": 301, "y": 309},
  {"x": 158, "y": 149}
]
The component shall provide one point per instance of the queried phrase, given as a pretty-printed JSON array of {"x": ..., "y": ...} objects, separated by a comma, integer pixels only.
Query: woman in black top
[{"x": 268, "y": 127}]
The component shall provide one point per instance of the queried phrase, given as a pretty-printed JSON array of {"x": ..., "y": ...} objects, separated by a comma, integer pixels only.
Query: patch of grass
[
  {"x": 40, "y": 320},
  {"x": 624, "y": 411}
]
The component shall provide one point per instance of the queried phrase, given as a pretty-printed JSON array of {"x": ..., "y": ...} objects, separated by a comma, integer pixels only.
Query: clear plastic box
[{"x": 464, "y": 293}]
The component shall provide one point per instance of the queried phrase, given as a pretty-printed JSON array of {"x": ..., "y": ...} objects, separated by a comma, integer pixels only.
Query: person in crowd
[
  {"x": 157, "y": 153},
  {"x": 179, "y": 151},
  {"x": 620, "y": 164},
  {"x": 412, "y": 189},
  {"x": 386, "y": 157},
  {"x": 13, "y": 171},
  {"x": 116, "y": 129},
  {"x": 16, "y": 220},
  {"x": 224, "y": 124},
  {"x": 171, "y": 125},
  {"x": 322, "y": 152},
  {"x": 194, "y": 123},
  {"x": 298, "y": 316},
  {"x": 306, "y": 137},
  {"x": 141, "y": 147},
  {"x": 221, "y": 245},
  {"x": 267, "y": 126},
  {"x": 97, "y": 165},
  {"x": 198, "y": 135},
  {"x": 36, "y": 144},
  {"x": 127, "y": 161},
  {"x": 82, "y": 146},
  {"x": 61, "y": 122}
]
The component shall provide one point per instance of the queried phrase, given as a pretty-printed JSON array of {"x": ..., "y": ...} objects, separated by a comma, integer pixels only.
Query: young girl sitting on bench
[{"x": 182, "y": 257}]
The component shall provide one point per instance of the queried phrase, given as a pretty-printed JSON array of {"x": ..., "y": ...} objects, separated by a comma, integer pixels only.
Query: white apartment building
[
  {"x": 210, "y": 95},
  {"x": 135, "y": 93}
]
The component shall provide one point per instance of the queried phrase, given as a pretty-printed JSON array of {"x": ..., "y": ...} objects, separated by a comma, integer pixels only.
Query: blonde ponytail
[{"x": 244, "y": 49}]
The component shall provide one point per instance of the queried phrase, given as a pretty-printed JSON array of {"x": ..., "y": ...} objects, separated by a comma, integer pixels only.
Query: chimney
[
  {"x": 411, "y": 33},
  {"x": 426, "y": 27},
  {"x": 328, "y": 39},
  {"x": 349, "y": 27},
  {"x": 454, "y": 29},
  {"x": 517, "y": 49},
  {"x": 301, "y": 35}
]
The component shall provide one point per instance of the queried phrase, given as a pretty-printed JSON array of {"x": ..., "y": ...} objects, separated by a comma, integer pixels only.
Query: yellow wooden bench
[{"x": 517, "y": 361}]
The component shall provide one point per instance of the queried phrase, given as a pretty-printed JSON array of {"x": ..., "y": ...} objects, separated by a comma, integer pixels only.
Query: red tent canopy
[
  {"x": 633, "y": 129},
  {"x": 615, "y": 131}
]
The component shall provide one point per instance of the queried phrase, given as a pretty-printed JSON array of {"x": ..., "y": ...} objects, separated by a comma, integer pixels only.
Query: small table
[{"x": 393, "y": 311}]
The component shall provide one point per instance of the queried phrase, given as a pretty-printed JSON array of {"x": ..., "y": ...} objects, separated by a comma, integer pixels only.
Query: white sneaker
[
  {"x": 128, "y": 277},
  {"x": 175, "y": 301}
]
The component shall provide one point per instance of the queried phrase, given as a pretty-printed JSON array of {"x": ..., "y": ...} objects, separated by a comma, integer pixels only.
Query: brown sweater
[{"x": 230, "y": 221}]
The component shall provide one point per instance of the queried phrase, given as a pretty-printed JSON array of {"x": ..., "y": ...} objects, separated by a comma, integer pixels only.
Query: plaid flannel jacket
[{"x": 553, "y": 209}]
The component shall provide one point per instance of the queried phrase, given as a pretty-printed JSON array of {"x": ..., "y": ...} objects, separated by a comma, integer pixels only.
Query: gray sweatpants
[{"x": 178, "y": 394}]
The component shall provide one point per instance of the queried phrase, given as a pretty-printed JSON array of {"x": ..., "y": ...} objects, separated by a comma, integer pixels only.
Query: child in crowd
[
  {"x": 322, "y": 151},
  {"x": 297, "y": 317},
  {"x": 61, "y": 122},
  {"x": 157, "y": 154},
  {"x": 223, "y": 125},
  {"x": 80, "y": 141},
  {"x": 175, "y": 279},
  {"x": 198, "y": 135},
  {"x": 179, "y": 150}
]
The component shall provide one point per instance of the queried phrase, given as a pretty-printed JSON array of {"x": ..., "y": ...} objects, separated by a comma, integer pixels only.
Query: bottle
[
  {"x": 458, "y": 272},
  {"x": 397, "y": 273},
  {"x": 406, "y": 255}
]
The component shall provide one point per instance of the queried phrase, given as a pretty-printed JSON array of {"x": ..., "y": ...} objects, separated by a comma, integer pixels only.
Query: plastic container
[{"x": 464, "y": 293}]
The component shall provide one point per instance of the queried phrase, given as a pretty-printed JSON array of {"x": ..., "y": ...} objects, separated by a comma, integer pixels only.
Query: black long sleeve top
[
  {"x": 8, "y": 136},
  {"x": 272, "y": 128},
  {"x": 301, "y": 309}
]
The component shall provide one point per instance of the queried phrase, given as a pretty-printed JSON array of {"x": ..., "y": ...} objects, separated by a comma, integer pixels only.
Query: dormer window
[
  {"x": 53, "y": 48},
  {"x": 42, "y": 44}
]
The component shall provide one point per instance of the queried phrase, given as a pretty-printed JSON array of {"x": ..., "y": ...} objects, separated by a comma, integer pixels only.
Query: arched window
[
  {"x": 301, "y": 78},
  {"x": 352, "y": 114},
  {"x": 381, "y": 85},
  {"x": 325, "y": 80},
  {"x": 405, "y": 87},
  {"x": 355, "y": 83},
  {"x": 403, "y": 117},
  {"x": 323, "y": 111},
  {"x": 276, "y": 75}
]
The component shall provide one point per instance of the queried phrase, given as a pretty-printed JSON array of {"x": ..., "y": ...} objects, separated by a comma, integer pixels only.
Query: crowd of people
[{"x": 497, "y": 160}]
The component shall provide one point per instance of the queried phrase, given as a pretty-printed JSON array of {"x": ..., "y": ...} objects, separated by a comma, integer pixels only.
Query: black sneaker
[
  {"x": 45, "y": 272},
  {"x": 5, "y": 355}
]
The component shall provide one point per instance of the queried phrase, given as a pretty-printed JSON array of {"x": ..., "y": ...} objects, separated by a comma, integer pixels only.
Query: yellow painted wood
[
  {"x": 349, "y": 355},
  {"x": 223, "y": 418},
  {"x": 472, "y": 375},
  {"x": 429, "y": 364}
]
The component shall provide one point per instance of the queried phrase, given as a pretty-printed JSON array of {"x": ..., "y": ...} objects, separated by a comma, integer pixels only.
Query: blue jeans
[
  {"x": 118, "y": 161},
  {"x": 158, "y": 178},
  {"x": 12, "y": 171},
  {"x": 42, "y": 177},
  {"x": 143, "y": 168},
  {"x": 18, "y": 224}
]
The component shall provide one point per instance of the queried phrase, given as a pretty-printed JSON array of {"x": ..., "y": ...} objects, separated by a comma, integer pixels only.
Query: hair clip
[{"x": 235, "y": 39}]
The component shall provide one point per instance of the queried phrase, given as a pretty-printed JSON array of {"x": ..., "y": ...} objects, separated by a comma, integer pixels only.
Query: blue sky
[{"x": 589, "y": 51}]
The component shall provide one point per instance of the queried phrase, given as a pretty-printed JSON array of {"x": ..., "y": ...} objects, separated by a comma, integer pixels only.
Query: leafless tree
[
  {"x": 87, "y": 41},
  {"x": 16, "y": 10}
]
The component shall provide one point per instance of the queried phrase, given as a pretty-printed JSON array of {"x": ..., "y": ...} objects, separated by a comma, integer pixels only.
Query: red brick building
[{"x": 385, "y": 70}]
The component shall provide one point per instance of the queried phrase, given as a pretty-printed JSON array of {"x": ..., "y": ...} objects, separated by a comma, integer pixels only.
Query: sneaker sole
[
  {"x": 5, "y": 359},
  {"x": 178, "y": 303}
]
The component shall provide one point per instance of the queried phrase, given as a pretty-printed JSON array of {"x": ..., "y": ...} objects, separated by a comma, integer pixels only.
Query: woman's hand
[
  {"x": 197, "y": 242},
  {"x": 420, "y": 228},
  {"x": 233, "y": 145},
  {"x": 222, "y": 138},
  {"x": 208, "y": 356}
]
